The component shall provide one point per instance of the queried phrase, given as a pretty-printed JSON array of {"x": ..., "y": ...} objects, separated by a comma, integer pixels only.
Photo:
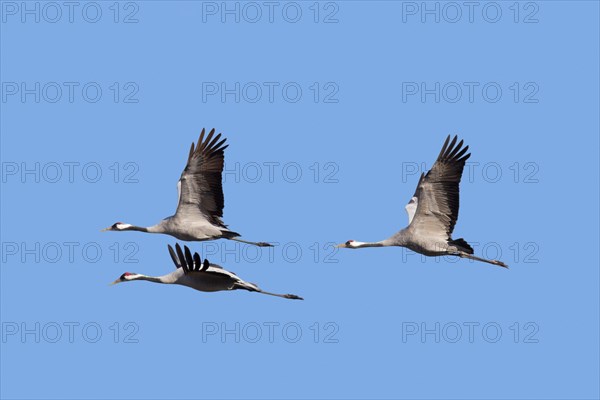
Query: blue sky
[{"x": 331, "y": 110}]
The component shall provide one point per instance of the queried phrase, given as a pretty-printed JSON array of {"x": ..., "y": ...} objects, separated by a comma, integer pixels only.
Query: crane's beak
[
  {"x": 341, "y": 246},
  {"x": 115, "y": 282},
  {"x": 106, "y": 229}
]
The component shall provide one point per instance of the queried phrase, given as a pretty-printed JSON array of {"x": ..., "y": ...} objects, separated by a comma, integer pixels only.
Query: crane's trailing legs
[
  {"x": 462, "y": 254},
  {"x": 259, "y": 244},
  {"x": 251, "y": 287}
]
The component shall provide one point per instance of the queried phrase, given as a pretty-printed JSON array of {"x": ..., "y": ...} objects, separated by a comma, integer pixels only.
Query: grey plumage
[
  {"x": 200, "y": 197},
  {"x": 199, "y": 188},
  {"x": 433, "y": 210},
  {"x": 202, "y": 276}
]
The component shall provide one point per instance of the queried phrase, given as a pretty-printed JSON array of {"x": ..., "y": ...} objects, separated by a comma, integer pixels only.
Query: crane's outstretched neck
[
  {"x": 158, "y": 228},
  {"x": 156, "y": 279},
  {"x": 137, "y": 228},
  {"x": 355, "y": 244},
  {"x": 359, "y": 245},
  {"x": 120, "y": 226}
]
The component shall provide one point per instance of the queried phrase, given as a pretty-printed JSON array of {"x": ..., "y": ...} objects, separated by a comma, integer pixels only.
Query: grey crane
[
  {"x": 201, "y": 202},
  {"x": 202, "y": 276},
  {"x": 433, "y": 210}
]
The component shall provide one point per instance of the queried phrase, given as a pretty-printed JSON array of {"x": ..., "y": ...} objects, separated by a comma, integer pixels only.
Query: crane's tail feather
[
  {"x": 462, "y": 245},
  {"x": 251, "y": 287},
  {"x": 227, "y": 234},
  {"x": 472, "y": 257}
]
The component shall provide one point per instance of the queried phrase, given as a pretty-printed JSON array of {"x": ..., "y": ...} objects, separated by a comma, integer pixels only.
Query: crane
[
  {"x": 433, "y": 210},
  {"x": 200, "y": 198},
  {"x": 203, "y": 276}
]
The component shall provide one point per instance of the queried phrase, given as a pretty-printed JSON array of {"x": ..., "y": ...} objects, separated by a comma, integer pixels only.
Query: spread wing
[
  {"x": 437, "y": 194},
  {"x": 192, "y": 264},
  {"x": 200, "y": 188}
]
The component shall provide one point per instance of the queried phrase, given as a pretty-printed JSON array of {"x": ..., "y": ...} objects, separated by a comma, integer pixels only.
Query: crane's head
[
  {"x": 350, "y": 244},
  {"x": 117, "y": 226},
  {"x": 127, "y": 276}
]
